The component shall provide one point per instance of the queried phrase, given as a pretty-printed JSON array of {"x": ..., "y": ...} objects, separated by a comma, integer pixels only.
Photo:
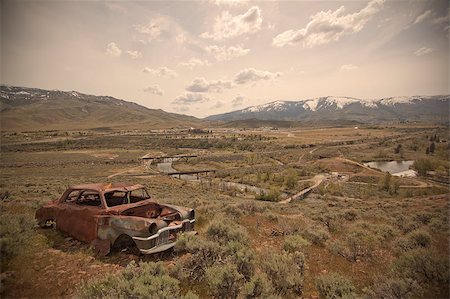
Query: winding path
[{"x": 318, "y": 179}]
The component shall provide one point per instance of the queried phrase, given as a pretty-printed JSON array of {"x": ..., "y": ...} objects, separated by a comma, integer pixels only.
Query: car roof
[{"x": 107, "y": 187}]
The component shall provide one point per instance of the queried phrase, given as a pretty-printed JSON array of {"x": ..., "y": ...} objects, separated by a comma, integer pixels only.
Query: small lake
[{"x": 393, "y": 167}]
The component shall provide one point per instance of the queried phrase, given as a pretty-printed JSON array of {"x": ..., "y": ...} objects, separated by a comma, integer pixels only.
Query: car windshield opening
[{"x": 116, "y": 198}]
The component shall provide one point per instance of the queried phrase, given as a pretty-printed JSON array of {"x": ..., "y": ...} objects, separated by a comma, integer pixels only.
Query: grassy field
[{"x": 359, "y": 234}]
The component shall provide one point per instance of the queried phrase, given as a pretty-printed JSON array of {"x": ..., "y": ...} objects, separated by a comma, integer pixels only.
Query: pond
[{"x": 393, "y": 167}]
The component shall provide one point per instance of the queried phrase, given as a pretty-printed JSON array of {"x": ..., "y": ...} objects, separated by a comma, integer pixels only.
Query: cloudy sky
[{"x": 211, "y": 56}]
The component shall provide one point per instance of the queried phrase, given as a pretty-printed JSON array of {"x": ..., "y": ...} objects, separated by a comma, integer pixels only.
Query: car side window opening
[
  {"x": 115, "y": 198},
  {"x": 89, "y": 198},
  {"x": 72, "y": 196},
  {"x": 138, "y": 195}
]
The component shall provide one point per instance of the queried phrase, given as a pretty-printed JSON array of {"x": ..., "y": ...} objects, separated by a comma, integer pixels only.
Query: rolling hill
[
  {"x": 417, "y": 108},
  {"x": 28, "y": 109}
]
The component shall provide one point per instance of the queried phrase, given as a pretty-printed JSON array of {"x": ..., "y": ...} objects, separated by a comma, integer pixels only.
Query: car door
[{"x": 77, "y": 215}]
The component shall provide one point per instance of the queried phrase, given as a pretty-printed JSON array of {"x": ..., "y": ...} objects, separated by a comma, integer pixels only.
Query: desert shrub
[
  {"x": 405, "y": 224},
  {"x": 422, "y": 166},
  {"x": 250, "y": 208},
  {"x": 350, "y": 214},
  {"x": 242, "y": 257},
  {"x": 16, "y": 232},
  {"x": 224, "y": 232},
  {"x": 334, "y": 189},
  {"x": 334, "y": 286},
  {"x": 392, "y": 288},
  {"x": 233, "y": 212},
  {"x": 421, "y": 238},
  {"x": 332, "y": 221},
  {"x": 204, "y": 254},
  {"x": 146, "y": 280},
  {"x": 190, "y": 295},
  {"x": 286, "y": 271},
  {"x": 316, "y": 235},
  {"x": 424, "y": 218},
  {"x": 385, "y": 232},
  {"x": 294, "y": 243},
  {"x": 272, "y": 195},
  {"x": 258, "y": 287},
  {"x": 223, "y": 280},
  {"x": 360, "y": 244},
  {"x": 225, "y": 242},
  {"x": 438, "y": 224},
  {"x": 423, "y": 265},
  {"x": 413, "y": 240},
  {"x": 290, "y": 179}
]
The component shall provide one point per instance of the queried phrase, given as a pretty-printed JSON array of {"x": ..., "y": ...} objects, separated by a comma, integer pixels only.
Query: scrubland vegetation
[{"x": 365, "y": 235}]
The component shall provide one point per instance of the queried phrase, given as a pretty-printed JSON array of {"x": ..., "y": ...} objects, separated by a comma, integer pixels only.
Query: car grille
[{"x": 163, "y": 238}]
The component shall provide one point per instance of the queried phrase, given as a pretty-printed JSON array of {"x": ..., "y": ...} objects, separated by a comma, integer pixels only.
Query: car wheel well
[{"x": 125, "y": 243}]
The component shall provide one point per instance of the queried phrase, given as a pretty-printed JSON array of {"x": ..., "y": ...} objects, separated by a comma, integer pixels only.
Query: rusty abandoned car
[{"x": 117, "y": 216}]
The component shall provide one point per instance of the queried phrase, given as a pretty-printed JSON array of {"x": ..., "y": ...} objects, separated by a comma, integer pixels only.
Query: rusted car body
[{"x": 119, "y": 215}]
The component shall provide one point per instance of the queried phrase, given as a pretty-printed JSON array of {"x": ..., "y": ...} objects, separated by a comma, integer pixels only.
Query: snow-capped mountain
[{"x": 414, "y": 108}]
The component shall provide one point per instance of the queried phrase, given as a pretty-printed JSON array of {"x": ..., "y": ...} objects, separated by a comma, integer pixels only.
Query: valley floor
[{"x": 360, "y": 229}]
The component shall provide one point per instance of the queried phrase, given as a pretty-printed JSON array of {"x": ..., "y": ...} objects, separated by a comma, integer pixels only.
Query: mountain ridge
[
  {"x": 24, "y": 108},
  {"x": 406, "y": 108}
]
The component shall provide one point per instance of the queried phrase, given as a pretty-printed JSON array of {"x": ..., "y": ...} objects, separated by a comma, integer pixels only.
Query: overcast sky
[{"x": 207, "y": 57}]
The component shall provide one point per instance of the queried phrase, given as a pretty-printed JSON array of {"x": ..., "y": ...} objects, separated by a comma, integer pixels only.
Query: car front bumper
[{"x": 165, "y": 238}]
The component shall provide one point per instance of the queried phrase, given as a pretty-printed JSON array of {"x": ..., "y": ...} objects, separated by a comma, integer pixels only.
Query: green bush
[
  {"x": 225, "y": 232},
  {"x": 423, "y": 265},
  {"x": 146, "y": 280},
  {"x": 272, "y": 195},
  {"x": 413, "y": 240},
  {"x": 334, "y": 286},
  {"x": 223, "y": 280},
  {"x": 350, "y": 214},
  {"x": 242, "y": 257},
  {"x": 422, "y": 166},
  {"x": 285, "y": 270},
  {"x": 294, "y": 243},
  {"x": 385, "y": 232},
  {"x": 360, "y": 244},
  {"x": 16, "y": 232},
  {"x": 392, "y": 288},
  {"x": 316, "y": 235},
  {"x": 258, "y": 287},
  {"x": 204, "y": 254}
]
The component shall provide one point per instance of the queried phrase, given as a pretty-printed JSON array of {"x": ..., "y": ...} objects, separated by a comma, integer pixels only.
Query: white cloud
[
  {"x": 193, "y": 62},
  {"x": 227, "y": 53},
  {"x": 113, "y": 6},
  {"x": 423, "y": 17},
  {"x": 203, "y": 85},
  {"x": 227, "y": 26},
  {"x": 152, "y": 29},
  {"x": 252, "y": 75},
  {"x": 155, "y": 89},
  {"x": 348, "y": 67},
  {"x": 237, "y": 101},
  {"x": 113, "y": 50},
  {"x": 181, "y": 38},
  {"x": 423, "y": 51},
  {"x": 134, "y": 54},
  {"x": 163, "y": 71},
  {"x": 190, "y": 98},
  {"x": 328, "y": 26},
  {"x": 228, "y": 2},
  {"x": 217, "y": 105}
]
